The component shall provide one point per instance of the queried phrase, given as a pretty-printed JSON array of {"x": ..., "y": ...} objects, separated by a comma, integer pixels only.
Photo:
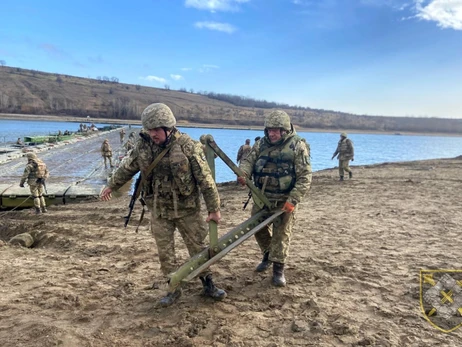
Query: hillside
[{"x": 33, "y": 92}]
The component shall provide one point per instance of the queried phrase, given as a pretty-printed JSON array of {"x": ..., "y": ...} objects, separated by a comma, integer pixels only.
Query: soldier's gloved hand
[
  {"x": 241, "y": 180},
  {"x": 21, "y": 185},
  {"x": 288, "y": 207}
]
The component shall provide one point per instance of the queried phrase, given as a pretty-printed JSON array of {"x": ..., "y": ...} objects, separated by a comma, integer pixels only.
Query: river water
[{"x": 369, "y": 148}]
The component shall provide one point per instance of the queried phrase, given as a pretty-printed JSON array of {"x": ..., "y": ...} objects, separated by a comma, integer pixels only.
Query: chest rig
[{"x": 274, "y": 169}]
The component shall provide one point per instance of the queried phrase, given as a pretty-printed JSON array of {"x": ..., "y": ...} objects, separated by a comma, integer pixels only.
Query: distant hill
[{"x": 33, "y": 92}]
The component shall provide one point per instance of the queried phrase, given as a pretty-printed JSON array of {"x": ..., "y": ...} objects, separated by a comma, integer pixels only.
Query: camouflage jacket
[
  {"x": 34, "y": 169},
  {"x": 243, "y": 152},
  {"x": 106, "y": 150},
  {"x": 174, "y": 186},
  {"x": 345, "y": 149},
  {"x": 286, "y": 164}
]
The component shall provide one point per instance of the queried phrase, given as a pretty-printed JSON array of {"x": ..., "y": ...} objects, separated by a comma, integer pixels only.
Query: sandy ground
[{"x": 353, "y": 273}]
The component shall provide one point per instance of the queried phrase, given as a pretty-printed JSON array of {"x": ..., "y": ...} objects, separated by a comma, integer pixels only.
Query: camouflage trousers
[
  {"x": 343, "y": 165},
  {"x": 106, "y": 158},
  {"x": 277, "y": 240},
  {"x": 37, "y": 193},
  {"x": 192, "y": 228}
]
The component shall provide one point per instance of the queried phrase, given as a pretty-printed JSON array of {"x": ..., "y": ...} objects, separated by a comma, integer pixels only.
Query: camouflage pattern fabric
[
  {"x": 37, "y": 191},
  {"x": 34, "y": 169},
  {"x": 343, "y": 165},
  {"x": 172, "y": 192},
  {"x": 192, "y": 229},
  {"x": 278, "y": 119},
  {"x": 106, "y": 150},
  {"x": 157, "y": 116},
  {"x": 186, "y": 157},
  {"x": 278, "y": 243},
  {"x": 243, "y": 152},
  {"x": 345, "y": 149}
]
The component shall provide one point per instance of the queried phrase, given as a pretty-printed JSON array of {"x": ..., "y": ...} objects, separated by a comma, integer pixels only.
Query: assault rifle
[{"x": 135, "y": 195}]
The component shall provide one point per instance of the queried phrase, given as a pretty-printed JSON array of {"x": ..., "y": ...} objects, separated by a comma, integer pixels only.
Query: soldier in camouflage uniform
[
  {"x": 280, "y": 166},
  {"x": 35, "y": 173},
  {"x": 346, "y": 152},
  {"x": 106, "y": 152},
  {"x": 244, "y": 151},
  {"x": 122, "y": 135},
  {"x": 172, "y": 190}
]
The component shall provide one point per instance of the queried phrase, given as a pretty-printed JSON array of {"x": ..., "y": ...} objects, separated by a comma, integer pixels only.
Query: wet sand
[{"x": 353, "y": 271}]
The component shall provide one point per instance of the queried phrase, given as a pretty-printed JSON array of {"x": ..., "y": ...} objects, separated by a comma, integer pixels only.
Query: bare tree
[
  {"x": 2, "y": 62},
  {"x": 114, "y": 80},
  {"x": 167, "y": 87}
]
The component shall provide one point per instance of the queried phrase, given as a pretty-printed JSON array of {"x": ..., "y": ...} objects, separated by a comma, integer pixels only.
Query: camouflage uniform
[
  {"x": 106, "y": 152},
  {"x": 345, "y": 151},
  {"x": 35, "y": 173},
  {"x": 122, "y": 135},
  {"x": 244, "y": 151},
  {"x": 286, "y": 167},
  {"x": 172, "y": 192}
]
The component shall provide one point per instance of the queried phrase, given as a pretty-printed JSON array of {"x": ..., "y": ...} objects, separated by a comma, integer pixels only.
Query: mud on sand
[{"x": 353, "y": 273}]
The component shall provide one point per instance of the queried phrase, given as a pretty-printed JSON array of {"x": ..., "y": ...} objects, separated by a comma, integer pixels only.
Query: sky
[{"x": 372, "y": 57}]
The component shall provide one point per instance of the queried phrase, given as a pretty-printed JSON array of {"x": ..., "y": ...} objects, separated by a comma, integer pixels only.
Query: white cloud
[
  {"x": 208, "y": 68},
  {"x": 154, "y": 79},
  {"x": 446, "y": 13},
  {"x": 225, "y": 27},
  {"x": 176, "y": 77},
  {"x": 215, "y": 5},
  {"x": 186, "y": 69}
]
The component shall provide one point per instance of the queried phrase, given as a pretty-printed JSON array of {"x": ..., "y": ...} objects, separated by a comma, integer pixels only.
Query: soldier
[
  {"x": 19, "y": 141},
  {"x": 345, "y": 153},
  {"x": 106, "y": 152},
  {"x": 172, "y": 190},
  {"x": 244, "y": 151},
  {"x": 35, "y": 173},
  {"x": 122, "y": 135},
  {"x": 280, "y": 166}
]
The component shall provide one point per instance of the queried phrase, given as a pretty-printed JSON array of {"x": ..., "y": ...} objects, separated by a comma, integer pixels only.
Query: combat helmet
[
  {"x": 343, "y": 134},
  {"x": 278, "y": 119},
  {"x": 158, "y": 116},
  {"x": 31, "y": 156}
]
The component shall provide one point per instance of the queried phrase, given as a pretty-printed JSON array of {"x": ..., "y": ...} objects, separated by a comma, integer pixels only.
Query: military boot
[
  {"x": 350, "y": 174},
  {"x": 44, "y": 210},
  {"x": 37, "y": 210},
  {"x": 341, "y": 178},
  {"x": 170, "y": 298},
  {"x": 265, "y": 263},
  {"x": 278, "y": 275},
  {"x": 210, "y": 290}
]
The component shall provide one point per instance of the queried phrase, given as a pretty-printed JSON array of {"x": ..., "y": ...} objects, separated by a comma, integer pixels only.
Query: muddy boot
[
  {"x": 341, "y": 178},
  {"x": 350, "y": 175},
  {"x": 278, "y": 275},
  {"x": 265, "y": 263},
  {"x": 44, "y": 210},
  {"x": 210, "y": 290},
  {"x": 37, "y": 210},
  {"x": 170, "y": 298}
]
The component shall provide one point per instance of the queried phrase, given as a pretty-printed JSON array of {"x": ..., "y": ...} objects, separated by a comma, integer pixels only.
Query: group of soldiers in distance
[{"x": 175, "y": 174}]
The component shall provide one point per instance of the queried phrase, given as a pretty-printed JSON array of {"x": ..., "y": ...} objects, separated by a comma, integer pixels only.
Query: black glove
[
  {"x": 40, "y": 181},
  {"x": 21, "y": 185}
]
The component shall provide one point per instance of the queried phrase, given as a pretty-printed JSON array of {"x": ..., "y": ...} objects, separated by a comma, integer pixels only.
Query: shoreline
[{"x": 14, "y": 116}]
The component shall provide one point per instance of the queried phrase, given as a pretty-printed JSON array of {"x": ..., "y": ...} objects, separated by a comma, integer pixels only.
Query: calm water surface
[{"x": 369, "y": 148}]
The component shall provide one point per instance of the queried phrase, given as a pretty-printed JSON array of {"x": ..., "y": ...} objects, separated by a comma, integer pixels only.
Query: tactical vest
[
  {"x": 40, "y": 168},
  {"x": 276, "y": 166},
  {"x": 173, "y": 176}
]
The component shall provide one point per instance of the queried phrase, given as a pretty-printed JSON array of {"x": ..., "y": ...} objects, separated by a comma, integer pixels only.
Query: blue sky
[{"x": 375, "y": 57}]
